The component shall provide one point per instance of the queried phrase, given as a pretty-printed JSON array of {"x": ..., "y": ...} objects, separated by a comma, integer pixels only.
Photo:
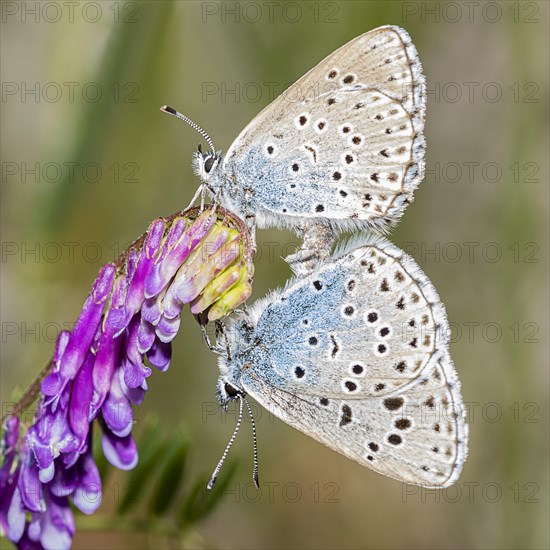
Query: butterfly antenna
[
  {"x": 177, "y": 114},
  {"x": 216, "y": 471},
  {"x": 255, "y": 472}
]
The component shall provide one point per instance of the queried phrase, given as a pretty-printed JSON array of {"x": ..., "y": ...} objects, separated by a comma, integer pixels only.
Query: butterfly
[
  {"x": 341, "y": 149},
  {"x": 355, "y": 354}
]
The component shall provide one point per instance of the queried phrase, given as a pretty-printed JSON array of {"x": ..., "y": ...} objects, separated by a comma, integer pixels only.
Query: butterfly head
[
  {"x": 206, "y": 166},
  {"x": 228, "y": 390},
  {"x": 236, "y": 337},
  {"x": 228, "y": 387}
]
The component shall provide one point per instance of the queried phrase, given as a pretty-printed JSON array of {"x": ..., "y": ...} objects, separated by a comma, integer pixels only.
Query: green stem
[{"x": 31, "y": 393}]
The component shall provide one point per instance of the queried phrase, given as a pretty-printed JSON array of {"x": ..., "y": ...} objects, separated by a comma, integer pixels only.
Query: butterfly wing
[
  {"x": 401, "y": 437},
  {"x": 345, "y": 142},
  {"x": 315, "y": 363},
  {"x": 365, "y": 324}
]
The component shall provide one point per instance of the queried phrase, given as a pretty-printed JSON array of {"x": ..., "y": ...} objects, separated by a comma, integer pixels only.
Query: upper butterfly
[{"x": 341, "y": 149}]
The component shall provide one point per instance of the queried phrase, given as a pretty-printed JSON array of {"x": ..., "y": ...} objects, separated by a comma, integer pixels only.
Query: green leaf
[
  {"x": 200, "y": 501},
  {"x": 151, "y": 450},
  {"x": 170, "y": 478}
]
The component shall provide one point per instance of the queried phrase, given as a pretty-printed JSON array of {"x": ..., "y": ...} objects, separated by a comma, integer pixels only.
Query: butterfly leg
[
  {"x": 206, "y": 337},
  {"x": 316, "y": 247},
  {"x": 251, "y": 223},
  {"x": 219, "y": 335},
  {"x": 200, "y": 191}
]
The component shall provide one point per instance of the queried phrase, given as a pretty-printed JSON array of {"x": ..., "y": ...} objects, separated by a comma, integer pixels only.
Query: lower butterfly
[{"x": 355, "y": 355}]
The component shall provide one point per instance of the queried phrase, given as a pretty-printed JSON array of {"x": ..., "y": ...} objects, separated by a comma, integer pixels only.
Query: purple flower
[{"x": 99, "y": 370}]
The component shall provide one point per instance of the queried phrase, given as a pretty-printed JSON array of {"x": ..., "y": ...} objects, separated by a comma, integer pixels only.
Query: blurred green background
[{"x": 88, "y": 161}]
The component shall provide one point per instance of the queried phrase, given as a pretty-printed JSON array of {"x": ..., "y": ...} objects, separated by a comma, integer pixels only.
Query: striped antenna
[
  {"x": 177, "y": 114},
  {"x": 255, "y": 472},
  {"x": 224, "y": 456}
]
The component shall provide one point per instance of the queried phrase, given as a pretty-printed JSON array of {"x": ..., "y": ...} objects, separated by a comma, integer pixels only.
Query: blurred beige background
[{"x": 88, "y": 161}]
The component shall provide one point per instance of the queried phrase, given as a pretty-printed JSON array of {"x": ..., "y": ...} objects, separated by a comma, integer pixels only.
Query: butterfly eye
[
  {"x": 230, "y": 390},
  {"x": 208, "y": 164}
]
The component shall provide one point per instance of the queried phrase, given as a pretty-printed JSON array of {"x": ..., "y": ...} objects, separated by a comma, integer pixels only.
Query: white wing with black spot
[
  {"x": 416, "y": 435},
  {"x": 345, "y": 142},
  {"x": 367, "y": 323}
]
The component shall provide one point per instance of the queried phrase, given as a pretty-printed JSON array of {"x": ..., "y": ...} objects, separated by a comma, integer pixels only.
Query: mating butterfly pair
[{"x": 354, "y": 351}]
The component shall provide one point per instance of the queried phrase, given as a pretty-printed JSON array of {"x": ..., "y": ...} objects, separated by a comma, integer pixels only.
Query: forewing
[
  {"x": 345, "y": 142},
  {"x": 364, "y": 324}
]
